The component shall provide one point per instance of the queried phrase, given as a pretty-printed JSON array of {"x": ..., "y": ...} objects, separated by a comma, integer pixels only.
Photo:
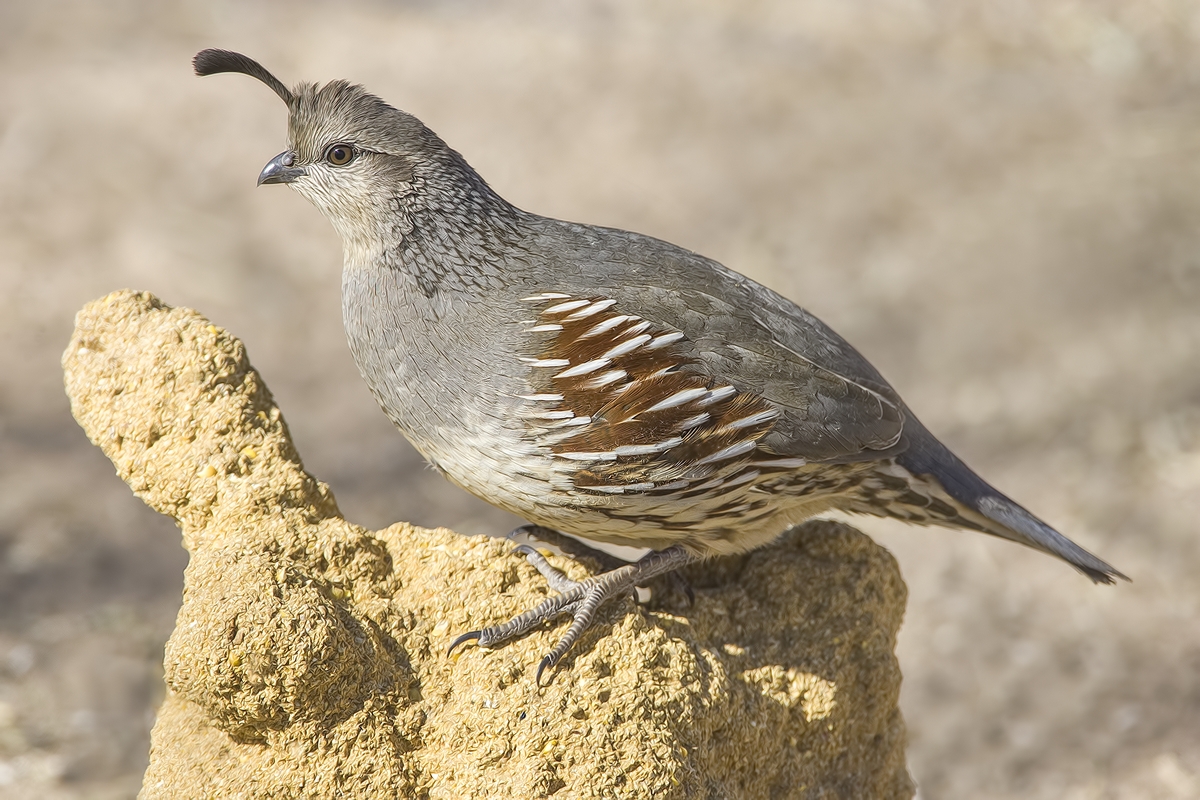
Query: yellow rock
[{"x": 309, "y": 658}]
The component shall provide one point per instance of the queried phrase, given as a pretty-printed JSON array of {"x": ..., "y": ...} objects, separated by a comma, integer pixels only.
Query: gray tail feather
[
  {"x": 1035, "y": 533},
  {"x": 928, "y": 457}
]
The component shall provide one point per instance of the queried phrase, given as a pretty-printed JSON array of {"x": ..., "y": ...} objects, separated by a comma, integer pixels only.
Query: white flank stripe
[
  {"x": 753, "y": 419},
  {"x": 717, "y": 395},
  {"x": 594, "y": 308},
  {"x": 537, "y": 298},
  {"x": 584, "y": 368},
  {"x": 605, "y": 326},
  {"x": 633, "y": 487},
  {"x": 608, "y": 456},
  {"x": 546, "y": 362},
  {"x": 648, "y": 449},
  {"x": 664, "y": 340},
  {"x": 548, "y": 327},
  {"x": 733, "y": 451},
  {"x": 578, "y": 421},
  {"x": 605, "y": 379},
  {"x": 782, "y": 462},
  {"x": 562, "y": 308},
  {"x": 678, "y": 399},
  {"x": 635, "y": 329},
  {"x": 627, "y": 346},
  {"x": 541, "y": 398},
  {"x": 692, "y": 422},
  {"x": 553, "y": 415}
]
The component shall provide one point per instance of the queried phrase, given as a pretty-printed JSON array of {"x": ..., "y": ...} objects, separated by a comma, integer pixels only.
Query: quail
[{"x": 598, "y": 382}]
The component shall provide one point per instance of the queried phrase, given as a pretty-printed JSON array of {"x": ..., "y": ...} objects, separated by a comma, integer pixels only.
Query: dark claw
[
  {"x": 466, "y": 637},
  {"x": 683, "y": 585},
  {"x": 546, "y": 662}
]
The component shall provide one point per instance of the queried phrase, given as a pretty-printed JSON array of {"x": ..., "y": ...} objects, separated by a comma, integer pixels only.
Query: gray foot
[
  {"x": 580, "y": 599},
  {"x": 568, "y": 545}
]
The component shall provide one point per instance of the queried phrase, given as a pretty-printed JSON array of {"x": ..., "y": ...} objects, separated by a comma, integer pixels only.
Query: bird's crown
[{"x": 321, "y": 114}]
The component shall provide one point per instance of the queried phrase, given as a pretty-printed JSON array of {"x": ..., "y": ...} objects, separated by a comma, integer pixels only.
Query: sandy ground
[{"x": 998, "y": 203}]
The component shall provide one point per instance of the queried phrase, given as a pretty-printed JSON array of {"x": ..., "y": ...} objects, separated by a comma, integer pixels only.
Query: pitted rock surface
[{"x": 309, "y": 654}]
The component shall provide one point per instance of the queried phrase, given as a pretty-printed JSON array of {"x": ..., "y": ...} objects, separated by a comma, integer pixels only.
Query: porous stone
[{"x": 309, "y": 658}]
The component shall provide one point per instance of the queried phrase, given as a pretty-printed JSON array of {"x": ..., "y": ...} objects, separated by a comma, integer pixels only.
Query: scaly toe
[
  {"x": 554, "y": 577},
  {"x": 595, "y": 592}
]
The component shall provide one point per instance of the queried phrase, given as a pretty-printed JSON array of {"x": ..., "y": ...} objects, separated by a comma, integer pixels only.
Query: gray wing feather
[{"x": 836, "y": 406}]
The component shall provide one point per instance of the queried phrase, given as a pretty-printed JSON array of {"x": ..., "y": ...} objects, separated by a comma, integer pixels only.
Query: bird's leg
[
  {"x": 580, "y": 599},
  {"x": 567, "y": 545}
]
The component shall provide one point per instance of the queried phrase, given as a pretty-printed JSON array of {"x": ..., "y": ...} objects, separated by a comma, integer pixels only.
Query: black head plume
[{"x": 210, "y": 62}]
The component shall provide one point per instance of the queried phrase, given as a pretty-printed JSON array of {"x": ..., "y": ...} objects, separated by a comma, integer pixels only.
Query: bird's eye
[{"x": 339, "y": 154}]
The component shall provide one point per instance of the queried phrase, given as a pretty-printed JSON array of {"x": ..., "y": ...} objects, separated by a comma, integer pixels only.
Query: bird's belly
[{"x": 520, "y": 478}]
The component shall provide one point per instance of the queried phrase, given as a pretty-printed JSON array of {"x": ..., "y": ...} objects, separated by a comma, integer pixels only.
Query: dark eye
[{"x": 339, "y": 154}]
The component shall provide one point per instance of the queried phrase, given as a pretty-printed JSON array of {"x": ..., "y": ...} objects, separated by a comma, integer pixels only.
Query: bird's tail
[{"x": 987, "y": 510}]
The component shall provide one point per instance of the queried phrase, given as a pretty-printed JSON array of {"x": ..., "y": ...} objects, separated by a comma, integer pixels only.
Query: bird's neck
[{"x": 448, "y": 231}]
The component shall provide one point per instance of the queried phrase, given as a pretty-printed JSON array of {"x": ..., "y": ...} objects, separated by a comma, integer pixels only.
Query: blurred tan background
[{"x": 998, "y": 203}]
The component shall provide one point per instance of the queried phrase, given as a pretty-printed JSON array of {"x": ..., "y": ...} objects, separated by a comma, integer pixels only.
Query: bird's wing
[{"x": 835, "y": 407}]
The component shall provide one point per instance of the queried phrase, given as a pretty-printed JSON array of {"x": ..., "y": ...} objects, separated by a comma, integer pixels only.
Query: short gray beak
[{"x": 280, "y": 170}]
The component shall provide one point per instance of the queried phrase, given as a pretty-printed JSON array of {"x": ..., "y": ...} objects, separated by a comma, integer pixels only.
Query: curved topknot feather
[{"x": 212, "y": 61}]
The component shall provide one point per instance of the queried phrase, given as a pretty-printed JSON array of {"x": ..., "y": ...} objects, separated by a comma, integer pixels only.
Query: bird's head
[{"x": 349, "y": 152}]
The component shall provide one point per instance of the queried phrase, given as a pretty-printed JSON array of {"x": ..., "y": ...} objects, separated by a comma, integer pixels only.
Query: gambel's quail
[{"x": 599, "y": 382}]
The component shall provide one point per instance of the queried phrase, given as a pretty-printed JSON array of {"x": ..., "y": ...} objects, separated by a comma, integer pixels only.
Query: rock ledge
[{"x": 309, "y": 655}]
